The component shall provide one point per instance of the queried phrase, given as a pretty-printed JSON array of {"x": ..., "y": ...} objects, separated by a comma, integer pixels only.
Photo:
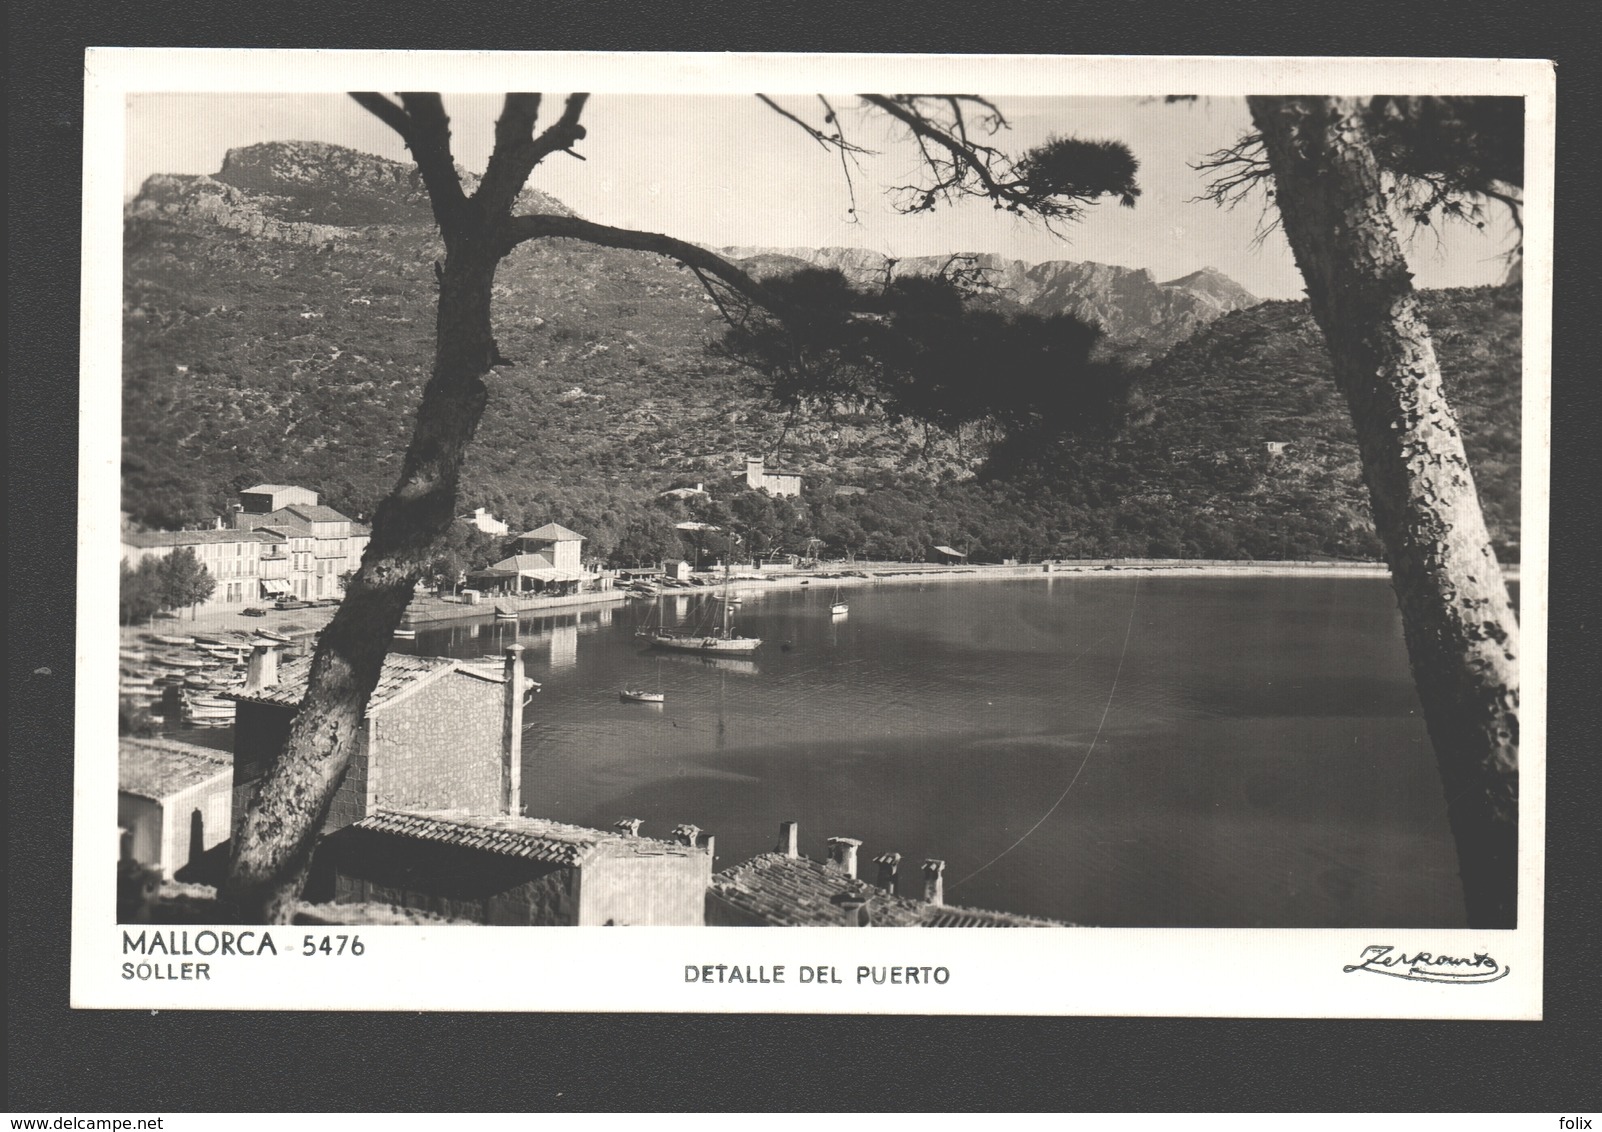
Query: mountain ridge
[
  {"x": 1140, "y": 316},
  {"x": 263, "y": 342}
]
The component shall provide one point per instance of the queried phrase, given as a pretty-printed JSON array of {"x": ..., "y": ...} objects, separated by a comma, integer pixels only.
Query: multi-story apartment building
[{"x": 320, "y": 543}]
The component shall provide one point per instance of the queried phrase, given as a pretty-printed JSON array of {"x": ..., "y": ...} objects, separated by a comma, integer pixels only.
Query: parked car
[
  {"x": 291, "y": 603},
  {"x": 253, "y": 611}
]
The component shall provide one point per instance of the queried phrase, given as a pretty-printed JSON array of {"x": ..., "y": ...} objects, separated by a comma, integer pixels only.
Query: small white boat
[
  {"x": 160, "y": 639},
  {"x": 269, "y": 635},
  {"x": 640, "y": 696},
  {"x": 839, "y": 609},
  {"x": 136, "y": 656},
  {"x": 178, "y": 662},
  {"x": 405, "y": 634}
]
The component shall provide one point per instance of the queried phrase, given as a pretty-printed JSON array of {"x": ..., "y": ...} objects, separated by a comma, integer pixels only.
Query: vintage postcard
[{"x": 1105, "y": 500}]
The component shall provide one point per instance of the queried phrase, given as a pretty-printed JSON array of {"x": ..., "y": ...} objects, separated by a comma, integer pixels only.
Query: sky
[{"x": 724, "y": 170}]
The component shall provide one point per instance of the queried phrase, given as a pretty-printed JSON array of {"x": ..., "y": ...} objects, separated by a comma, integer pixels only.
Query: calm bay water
[{"x": 1114, "y": 751}]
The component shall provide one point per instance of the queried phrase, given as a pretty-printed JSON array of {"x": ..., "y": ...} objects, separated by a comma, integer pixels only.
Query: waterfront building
[
  {"x": 173, "y": 802},
  {"x": 759, "y": 477},
  {"x": 947, "y": 554},
  {"x": 697, "y": 492},
  {"x": 785, "y": 889},
  {"x": 241, "y": 561},
  {"x": 322, "y": 544},
  {"x": 549, "y": 560}
]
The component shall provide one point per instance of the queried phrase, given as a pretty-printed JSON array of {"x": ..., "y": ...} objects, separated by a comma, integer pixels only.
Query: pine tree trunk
[
  {"x": 1462, "y": 634},
  {"x": 274, "y": 848}
]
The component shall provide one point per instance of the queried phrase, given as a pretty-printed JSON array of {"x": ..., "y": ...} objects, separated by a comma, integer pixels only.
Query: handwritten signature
[{"x": 1424, "y": 967}]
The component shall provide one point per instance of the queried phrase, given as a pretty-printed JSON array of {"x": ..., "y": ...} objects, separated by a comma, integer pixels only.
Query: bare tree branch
[
  {"x": 428, "y": 136},
  {"x": 518, "y": 151},
  {"x": 390, "y": 113},
  {"x": 548, "y": 225},
  {"x": 827, "y": 141}
]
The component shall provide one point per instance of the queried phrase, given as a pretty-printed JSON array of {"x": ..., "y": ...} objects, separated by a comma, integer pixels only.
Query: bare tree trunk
[
  {"x": 1462, "y": 635},
  {"x": 274, "y": 848}
]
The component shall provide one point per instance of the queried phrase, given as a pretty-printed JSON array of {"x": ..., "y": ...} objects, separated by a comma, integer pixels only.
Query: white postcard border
[{"x": 1234, "y": 973}]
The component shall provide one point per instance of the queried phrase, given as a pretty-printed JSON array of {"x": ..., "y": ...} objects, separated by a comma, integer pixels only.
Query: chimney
[
  {"x": 628, "y": 827},
  {"x": 708, "y": 842},
  {"x": 889, "y": 864},
  {"x": 700, "y": 486},
  {"x": 686, "y": 834},
  {"x": 789, "y": 832},
  {"x": 854, "y": 908},
  {"x": 512, "y": 733},
  {"x": 934, "y": 884},
  {"x": 843, "y": 855},
  {"x": 263, "y": 671}
]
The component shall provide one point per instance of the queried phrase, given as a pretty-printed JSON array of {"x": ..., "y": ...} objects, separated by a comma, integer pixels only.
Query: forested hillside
[{"x": 279, "y": 326}]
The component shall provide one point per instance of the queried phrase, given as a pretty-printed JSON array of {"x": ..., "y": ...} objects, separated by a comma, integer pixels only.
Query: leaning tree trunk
[
  {"x": 273, "y": 850},
  {"x": 1462, "y": 634}
]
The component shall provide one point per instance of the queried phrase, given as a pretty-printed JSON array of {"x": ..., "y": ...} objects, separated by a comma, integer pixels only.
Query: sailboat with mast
[{"x": 717, "y": 640}]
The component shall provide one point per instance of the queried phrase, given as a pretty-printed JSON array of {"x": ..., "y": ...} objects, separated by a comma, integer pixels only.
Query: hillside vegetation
[{"x": 279, "y": 327}]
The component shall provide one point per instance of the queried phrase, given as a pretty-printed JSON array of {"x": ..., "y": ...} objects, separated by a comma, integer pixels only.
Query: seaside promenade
[{"x": 298, "y": 623}]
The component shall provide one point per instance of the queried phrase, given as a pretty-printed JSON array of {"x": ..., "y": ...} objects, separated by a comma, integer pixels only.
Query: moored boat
[
  {"x": 162, "y": 639},
  {"x": 640, "y": 696},
  {"x": 405, "y": 634}
]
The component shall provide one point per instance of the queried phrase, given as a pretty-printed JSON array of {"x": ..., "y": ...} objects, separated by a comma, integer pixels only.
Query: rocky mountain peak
[{"x": 1139, "y": 316}]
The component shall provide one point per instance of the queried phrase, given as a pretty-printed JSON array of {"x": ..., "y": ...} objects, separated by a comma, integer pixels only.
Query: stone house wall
[
  {"x": 437, "y": 749},
  {"x": 660, "y": 891}
]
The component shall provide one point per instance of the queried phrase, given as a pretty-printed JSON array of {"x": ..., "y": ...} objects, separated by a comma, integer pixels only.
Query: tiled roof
[
  {"x": 144, "y": 539},
  {"x": 316, "y": 513},
  {"x": 553, "y": 531},
  {"x": 159, "y": 768},
  {"x": 535, "y": 839},
  {"x": 521, "y": 562},
  {"x": 401, "y": 672},
  {"x": 270, "y": 489},
  {"x": 796, "y": 891}
]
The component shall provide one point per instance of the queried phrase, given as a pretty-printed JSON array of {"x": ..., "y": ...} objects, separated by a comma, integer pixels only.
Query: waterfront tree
[
  {"x": 139, "y": 591},
  {"x": 184, "y": 580},
  {"x": 949, "y": 138},
  {"x": 1336, "y": 204}
]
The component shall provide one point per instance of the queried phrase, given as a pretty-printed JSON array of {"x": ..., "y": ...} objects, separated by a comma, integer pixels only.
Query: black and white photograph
[{"x": 1107, "y": 500}]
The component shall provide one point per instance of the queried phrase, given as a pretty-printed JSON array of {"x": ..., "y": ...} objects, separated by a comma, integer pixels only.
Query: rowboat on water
[
  {"x": 405, "y": 634},
  {"x": 161, "y": 639},
  {"x": 640, "y": 696},
  {"x": 505, "y": 614},
  {"x": 135, "y": 655},
  {"x": 276, "y": 638}
]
